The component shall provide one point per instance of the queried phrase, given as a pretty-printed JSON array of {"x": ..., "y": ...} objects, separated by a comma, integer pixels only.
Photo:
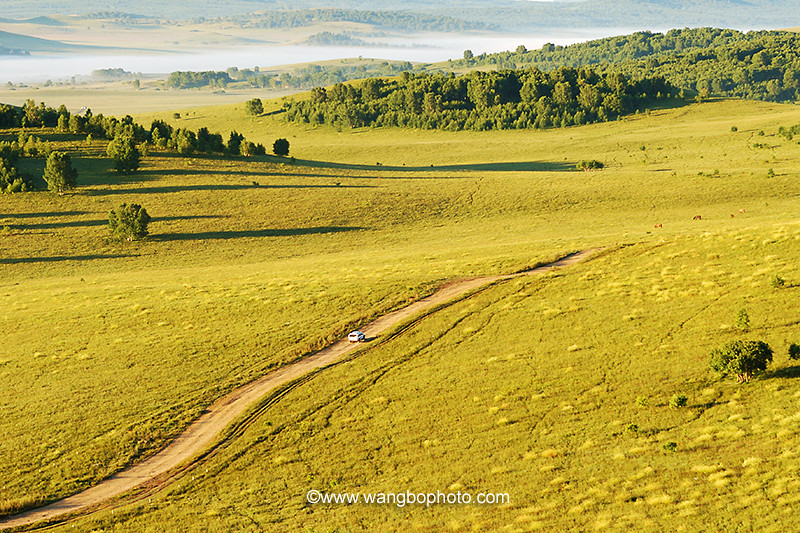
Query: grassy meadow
[
  {"x": 527, "y": 388},
  {"x": 555, "y": 390}
]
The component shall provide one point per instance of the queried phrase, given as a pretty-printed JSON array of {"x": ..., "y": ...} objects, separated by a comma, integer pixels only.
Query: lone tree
[
  {"x": 235, "y": 142},
  {"x": 122, "y": 149},
  {"x": 794, "y": 351},
  {"x": 741, "y": 358},
  {"x": 281, "y": 147},
  {"x": 59, "y": 173},
  {"x": 254, "y": 107},
  {"x": 128, "y": 222}
]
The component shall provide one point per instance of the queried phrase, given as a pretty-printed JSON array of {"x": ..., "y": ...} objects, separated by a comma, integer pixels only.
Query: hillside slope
[{"x": 253, "y": 262}]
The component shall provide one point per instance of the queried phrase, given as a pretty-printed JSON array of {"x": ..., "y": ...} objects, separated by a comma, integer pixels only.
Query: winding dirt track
[{"x": 203, "y": 433}]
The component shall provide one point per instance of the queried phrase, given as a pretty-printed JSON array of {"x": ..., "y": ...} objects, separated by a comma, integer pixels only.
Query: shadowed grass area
[
  {"x": 20, "y": 260},
  {"x": 520, "y": 166},
  {"x": 212, "y": 235},
  {"x": 217, "y": 187}
]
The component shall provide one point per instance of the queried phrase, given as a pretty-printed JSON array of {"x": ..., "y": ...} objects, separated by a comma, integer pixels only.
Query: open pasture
[
  {"x": 556, "y": 391},
  {"x": 112, "y": 348}
]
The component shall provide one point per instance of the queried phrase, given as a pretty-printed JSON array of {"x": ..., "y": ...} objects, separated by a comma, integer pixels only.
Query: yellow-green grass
[
  {"x": 531, "y": 389},
  {"x": 120, "y": 98},
  {"x": 111, "y": 348}
]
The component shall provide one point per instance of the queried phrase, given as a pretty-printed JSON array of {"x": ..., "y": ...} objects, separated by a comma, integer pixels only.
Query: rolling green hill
[{"x": 530, "y": 388}]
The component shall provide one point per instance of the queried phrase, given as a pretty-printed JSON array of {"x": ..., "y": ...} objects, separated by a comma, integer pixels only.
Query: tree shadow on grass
[
  {"x": 59, "y": 258},
  {"x": 788, "y": 372},
  {"x": 243, "y": 234},
  {"x": 214, "y": 187},
  {"x": 508, "y": 166},
  {"x": 288, "y": 162},
  {"x": 102, "y": 222},
  {"x": 44, "y": 214}
]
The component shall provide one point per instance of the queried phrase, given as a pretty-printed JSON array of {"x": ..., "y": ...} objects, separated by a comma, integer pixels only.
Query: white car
[{"x": 356, "y": 336}]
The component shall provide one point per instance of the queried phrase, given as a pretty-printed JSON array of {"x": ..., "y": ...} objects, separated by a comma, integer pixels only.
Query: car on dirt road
[{"x": 356, "y": 336}]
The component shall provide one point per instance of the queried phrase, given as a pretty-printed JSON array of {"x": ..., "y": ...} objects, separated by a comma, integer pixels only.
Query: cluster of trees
[
  {"x": 59, "y": 174},
  {"x": 790, "y": 132},
  {"x": 508, "y": 99},
  {"x": 327, "y": 38},
  {"x": 401, "y": 20},
  {"x": 189, "y": 79},
  {"x": 125, "y": 139},
  {"x": 10, "y": 178},
  {"x": 31, "y": 115},
  {"x": 707, "y": 61},
  {"x": 187, "y": 142},
  {"x": 114, "y": 74},
  {"x": 301, "y": 78}
]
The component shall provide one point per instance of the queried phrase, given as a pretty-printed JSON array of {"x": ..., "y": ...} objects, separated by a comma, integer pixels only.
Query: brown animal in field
[
  {"x": 697, "y": 217},
  {"x": 732, "y": 215},
  {"x": 741, "y": 210},
  {"x": 659, "y": 226}
]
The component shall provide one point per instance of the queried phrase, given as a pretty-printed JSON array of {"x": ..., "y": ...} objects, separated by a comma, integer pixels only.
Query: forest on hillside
[
  {"x": 757, "y": 65},
  {"x": 508, "y": 99}
]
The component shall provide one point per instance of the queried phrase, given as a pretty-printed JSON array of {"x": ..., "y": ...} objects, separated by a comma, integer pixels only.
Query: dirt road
[{"x": 201, "y": 434}]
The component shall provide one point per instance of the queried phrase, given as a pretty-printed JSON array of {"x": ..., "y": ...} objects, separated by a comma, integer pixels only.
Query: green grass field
[{"x": 527, "y": 388}]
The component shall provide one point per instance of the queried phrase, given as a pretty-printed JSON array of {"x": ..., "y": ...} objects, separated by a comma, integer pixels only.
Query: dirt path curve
[{"x": 201, "y": 434}]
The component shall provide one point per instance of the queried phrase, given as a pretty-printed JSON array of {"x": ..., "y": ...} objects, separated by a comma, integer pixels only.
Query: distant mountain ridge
[{"x": 509, "y": 15}]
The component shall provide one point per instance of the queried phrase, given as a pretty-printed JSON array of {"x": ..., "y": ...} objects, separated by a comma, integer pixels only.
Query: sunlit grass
[
  {"x": 575, "y": 467},
  {"x": 528, "y": 388}
]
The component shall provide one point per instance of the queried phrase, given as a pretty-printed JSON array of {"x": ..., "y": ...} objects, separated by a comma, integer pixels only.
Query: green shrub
[
  {"x": 678, "y": 400},
  {"x": 281, "y": 147},
  {"x": 743, "y": 319},
  {"x": 642, "y": 401},
  {"x": 741, "y": 358},
  {"x": 128, "y": 222},
  {"x": 777, "y": 281},
  {"x": 254, "y": 107},
  {"x": 794, "y": 351},
  {"x": 670, "y": 446},
  {"x": 592, "y": 164}
]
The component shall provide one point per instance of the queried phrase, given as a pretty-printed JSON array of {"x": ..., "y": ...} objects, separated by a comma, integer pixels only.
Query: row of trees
[
  {"x": 761, "y": 65},
  {"x": 402, "y": 20},
  {"x": 300, "y": 78},
  {"x": 508, "y": 99},
  {"x": 127, "y": 140}
]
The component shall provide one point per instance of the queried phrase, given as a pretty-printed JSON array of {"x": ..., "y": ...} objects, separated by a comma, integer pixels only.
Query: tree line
[
  {"x": 507, "y": 99},
  {"x": 300, "y": 78},
  {"x": 401, "y": 20},
  {"x": 762, "y": 65},
  {"x": 128, "y": 141}
]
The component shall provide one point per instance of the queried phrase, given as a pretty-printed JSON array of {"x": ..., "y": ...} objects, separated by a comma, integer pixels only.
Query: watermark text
[{"x": 401, "y": 499}]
